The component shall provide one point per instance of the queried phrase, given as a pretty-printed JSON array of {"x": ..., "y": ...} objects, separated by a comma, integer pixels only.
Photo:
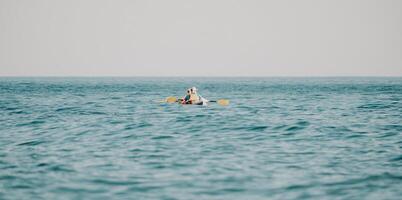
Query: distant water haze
[{"x": 200, "y": 38}]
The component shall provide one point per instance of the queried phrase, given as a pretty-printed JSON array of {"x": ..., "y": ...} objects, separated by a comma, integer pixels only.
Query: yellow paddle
[
  {"x": 222, "y": 102},
  {"x": 171, "y": 99}
]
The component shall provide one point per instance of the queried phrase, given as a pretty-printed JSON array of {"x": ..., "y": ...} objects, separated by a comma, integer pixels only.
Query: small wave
[
  {"x": 374, "y": 106},
  {"x": 10, "y": 108},
  {"x": 280, "y": 127},
  {"x": 257, "y": 128},
  {"x": 95, "y": 113},
  {"x": 355, "y": 136},
  {"x": 303, "y": 123},
  {"x": 60, "y": 168},
  {"x": 162, "y": 137},
  {"x": 384, "y": 176},
  {"x": 233, "y": 190},
  {"x": 392, "y": 127},
  {"x": 398, "y": 158},
  {"x": 65, "y": 109},
  {"x": 294, "y": 128},
  {"x": 31, "y": 143},
  {"x": 348, "y": 182},
  {"x": 139, "y": 125},
  {"x": 247, "y": 128},
  {"x": 21, "y": 187},
  {"x": 389, "y": 134},
  {"x": 114, "y": 182},
  {"x": 143, "y": 188},
  {"x": 8, "y": 177},
  {"x": 42, "y": 165},
  {"x": 34, "y": 122},
  {"x": 291, "y": 129},
  {"x": 18, "y": 112},
  {"x": 143, "y": 124},
  {"x": 136, "y": 150},
  {"x": 183, "y": 119},
  {"x": 299, "y": 187},
  {"x": 76, "y": 190}
]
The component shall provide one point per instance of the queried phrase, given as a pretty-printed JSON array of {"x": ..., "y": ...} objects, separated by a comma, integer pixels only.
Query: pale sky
[{"x": 200, "y": 38}]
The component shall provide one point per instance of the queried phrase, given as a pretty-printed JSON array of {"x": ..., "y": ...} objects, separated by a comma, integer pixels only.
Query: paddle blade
[
  {"x": 171, "y": 99},
  {"x": 223, "y": 102}
]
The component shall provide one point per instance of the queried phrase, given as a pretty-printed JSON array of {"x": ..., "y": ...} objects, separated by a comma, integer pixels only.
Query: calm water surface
[{"x": 280, "y": 138}]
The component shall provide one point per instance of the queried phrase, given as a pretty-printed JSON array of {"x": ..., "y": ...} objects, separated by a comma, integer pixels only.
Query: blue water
[{"x": 280, "y": 138}]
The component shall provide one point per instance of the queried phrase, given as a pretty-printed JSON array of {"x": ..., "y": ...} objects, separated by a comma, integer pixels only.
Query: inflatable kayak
[{"x": 204, "y": 102}]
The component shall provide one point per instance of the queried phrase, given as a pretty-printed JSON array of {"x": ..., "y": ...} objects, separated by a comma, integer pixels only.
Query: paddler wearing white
[{"x": 193, "y": 97}]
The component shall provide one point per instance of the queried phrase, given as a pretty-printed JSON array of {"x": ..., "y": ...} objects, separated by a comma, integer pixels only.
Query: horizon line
[{"x": 175, "y": 76}]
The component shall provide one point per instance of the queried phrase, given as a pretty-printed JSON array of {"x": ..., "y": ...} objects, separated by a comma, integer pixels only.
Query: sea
[{"x": 279, "y": 138}]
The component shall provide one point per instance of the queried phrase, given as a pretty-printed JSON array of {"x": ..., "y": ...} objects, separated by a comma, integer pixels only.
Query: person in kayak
[
  {"x": 186, "y": 98},
  {"x": 193, "y": 97}
]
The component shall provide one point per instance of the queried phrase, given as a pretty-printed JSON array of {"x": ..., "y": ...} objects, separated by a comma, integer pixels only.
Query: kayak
[
  {"x": 201, "y": 103},
  {"x": 204, "y": 102}
]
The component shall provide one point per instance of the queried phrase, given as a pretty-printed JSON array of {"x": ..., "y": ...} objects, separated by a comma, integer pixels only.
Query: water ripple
[{"x": 280, "y": 138}]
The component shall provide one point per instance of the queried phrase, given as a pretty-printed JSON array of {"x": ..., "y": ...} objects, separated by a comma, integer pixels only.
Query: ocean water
[{"x": 280, "y": 138}]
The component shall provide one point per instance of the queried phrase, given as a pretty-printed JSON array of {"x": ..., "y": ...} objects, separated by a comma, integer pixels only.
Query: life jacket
[{"x": 187, "y": 97}]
